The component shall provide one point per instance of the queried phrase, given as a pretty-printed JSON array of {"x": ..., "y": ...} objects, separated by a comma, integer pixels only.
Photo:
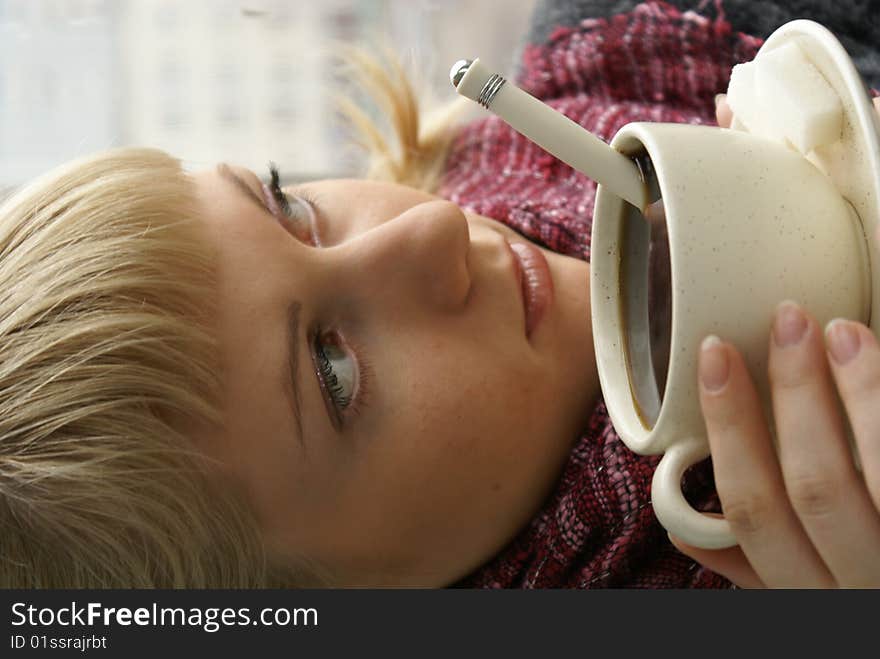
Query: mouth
[{"x": 536, "y": 285}]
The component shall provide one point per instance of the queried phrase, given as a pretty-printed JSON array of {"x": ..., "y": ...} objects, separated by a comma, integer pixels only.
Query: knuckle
[
  {"x": 790, "y": 376},
  {"x": 722, "y": 417},
  {"x": 813, "y": 495},
  {"x": 723, "y": 413},
  {"x": 747, "y": 514},
  {"x": 861, "y": 383}
]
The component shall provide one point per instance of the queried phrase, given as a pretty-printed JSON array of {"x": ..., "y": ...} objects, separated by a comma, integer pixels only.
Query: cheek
[
  {"x": 462, "y": 459},
  {"x": 475, "y": 414},
  {"x": 472, "y": 383},
  {"x": 481, "y": 461},
  {"x": 469, "y": 415}
]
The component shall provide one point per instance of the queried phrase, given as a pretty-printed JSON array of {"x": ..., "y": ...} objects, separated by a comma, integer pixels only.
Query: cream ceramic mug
[{"x": 748, "y": 223}]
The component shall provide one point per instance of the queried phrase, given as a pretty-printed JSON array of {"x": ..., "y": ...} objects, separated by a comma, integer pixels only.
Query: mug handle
[{"x": 675, "y": 514}]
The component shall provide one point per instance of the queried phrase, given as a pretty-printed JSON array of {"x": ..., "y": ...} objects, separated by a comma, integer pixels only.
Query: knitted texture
[
  {"x": 653, "y": 63},
  {"x": 855, "y": 22}
]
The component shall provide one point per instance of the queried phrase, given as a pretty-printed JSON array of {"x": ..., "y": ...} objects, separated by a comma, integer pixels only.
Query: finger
[
  {"x": 822, "y": 482},
  {"x": 858, "y": 380},
  {"x": 748, "y": 477},
  {"x": 730, "y": 563},
  {"x": 854, "y": 357},
  {"x": 876, "y": 101},
  {"x": 723, "y": 113}
]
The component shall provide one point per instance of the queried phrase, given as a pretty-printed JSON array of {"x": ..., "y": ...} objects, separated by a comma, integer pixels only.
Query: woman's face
[{"x": 392, "y": 410}]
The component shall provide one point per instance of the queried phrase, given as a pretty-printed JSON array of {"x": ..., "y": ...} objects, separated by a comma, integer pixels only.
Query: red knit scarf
[{"x": 652, "y": 64}]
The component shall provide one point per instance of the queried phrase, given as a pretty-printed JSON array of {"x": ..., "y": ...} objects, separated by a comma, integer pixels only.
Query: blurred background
[{"x": 246, "y": 81}]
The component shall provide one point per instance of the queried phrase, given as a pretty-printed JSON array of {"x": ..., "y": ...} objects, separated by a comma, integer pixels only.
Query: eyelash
[
  {"x": 283, "y": 202},
  {"x": 345, "y": 408},
  {"x": 275, "y": 189}
]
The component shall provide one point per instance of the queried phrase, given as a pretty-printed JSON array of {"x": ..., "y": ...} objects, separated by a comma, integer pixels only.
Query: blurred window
[{"x": 245, "y": 81}]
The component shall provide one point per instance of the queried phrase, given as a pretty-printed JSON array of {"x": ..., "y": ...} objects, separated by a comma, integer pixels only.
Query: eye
[
  {"x": 337, "y": 371},
  {"x": 300, "y": 216},
  {"x": 297, "y": 213}
]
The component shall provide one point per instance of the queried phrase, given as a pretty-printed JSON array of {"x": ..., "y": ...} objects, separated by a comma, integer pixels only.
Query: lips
[{"x": 536, "y": 284}]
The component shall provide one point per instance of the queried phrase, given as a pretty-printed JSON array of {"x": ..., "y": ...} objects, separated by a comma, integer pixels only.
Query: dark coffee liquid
[
  {"x": 646, "y": 299},
  {"x": 659, "y": 294}
]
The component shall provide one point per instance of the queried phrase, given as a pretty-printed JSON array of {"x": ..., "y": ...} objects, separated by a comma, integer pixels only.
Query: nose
[{"x": 419, "y": 255}]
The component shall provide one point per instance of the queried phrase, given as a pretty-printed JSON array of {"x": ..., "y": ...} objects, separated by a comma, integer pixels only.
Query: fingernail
[
  {"x": 714, "y": 367},
  {"x": 843, "y": 340},
  {"x": 790, "y": 324},
  {"x": 719, "y": 98}
]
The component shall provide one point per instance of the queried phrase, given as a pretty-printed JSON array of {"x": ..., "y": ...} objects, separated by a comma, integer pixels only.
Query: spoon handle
[{"x": 551, "y": 130}]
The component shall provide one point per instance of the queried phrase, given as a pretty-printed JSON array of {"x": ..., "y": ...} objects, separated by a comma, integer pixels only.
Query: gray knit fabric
[{"x": 855, "y": 22}]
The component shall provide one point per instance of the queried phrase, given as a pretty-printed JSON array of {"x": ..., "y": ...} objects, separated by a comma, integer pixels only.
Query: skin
[
  {"x": 464, "y": 423},
  {"x": 804, "y": 517}
]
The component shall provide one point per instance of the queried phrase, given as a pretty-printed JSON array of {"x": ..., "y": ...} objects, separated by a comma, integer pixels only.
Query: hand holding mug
[{"x": 803, "y": 515}]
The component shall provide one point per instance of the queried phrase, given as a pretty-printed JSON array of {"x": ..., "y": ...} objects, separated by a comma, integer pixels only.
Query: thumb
[{"x": 723, "y": 113}]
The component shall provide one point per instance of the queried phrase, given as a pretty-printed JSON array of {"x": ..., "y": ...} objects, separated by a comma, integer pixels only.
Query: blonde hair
[
  {"x": 105, "y": 356},
  {"x": 404, "y": 142}
]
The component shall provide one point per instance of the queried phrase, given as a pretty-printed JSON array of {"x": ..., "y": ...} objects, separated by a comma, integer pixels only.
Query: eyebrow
[
  {"x": 290, "y": 384},
  {"x": 291, "y": 390}
]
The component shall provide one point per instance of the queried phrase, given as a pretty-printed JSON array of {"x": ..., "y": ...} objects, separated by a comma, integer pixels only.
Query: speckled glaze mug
[{"x": 748, "y": 223}]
